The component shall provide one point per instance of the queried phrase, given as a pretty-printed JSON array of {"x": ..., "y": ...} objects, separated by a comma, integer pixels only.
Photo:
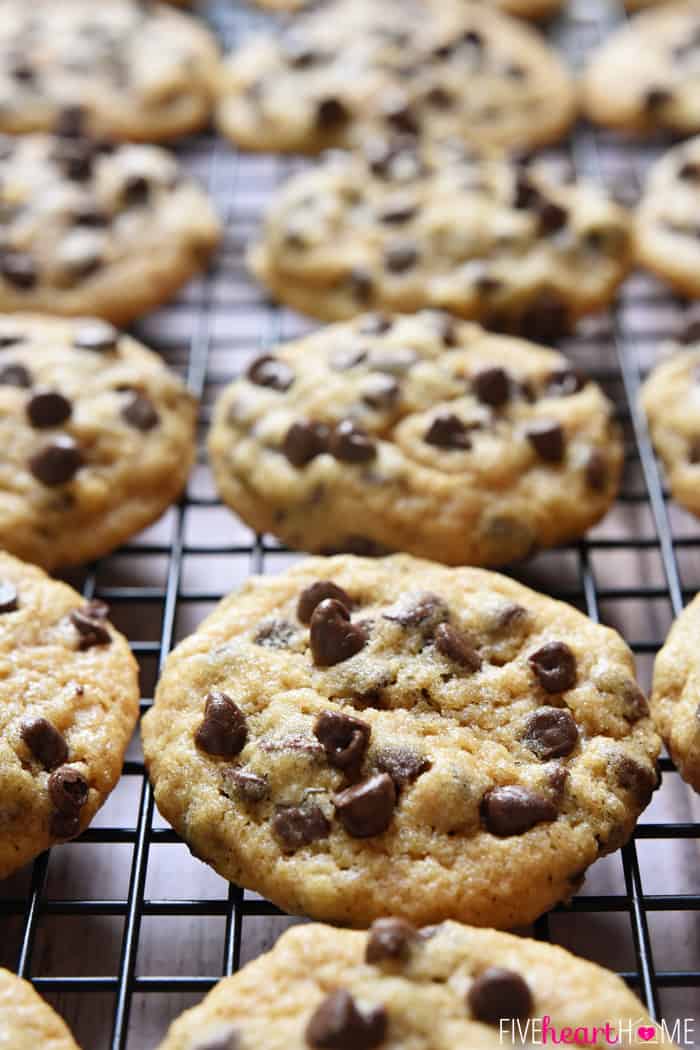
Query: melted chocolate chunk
[
  {"x": 639, "y": 780},
  {"x": 403, "y": 765},
  {"x": 400, "y": 257},
  {"x": 457, "y": 648},
  {"x": 45, "y": 742},
  {"x": 345, "y": 740},
  {"x": 498, "y": 994},
  {"x": 390, "y": 940},
  {"x": 554, "y": 666},
  {"x": 596, "y": 471},
  {"x": 546, "y": 319},
  {"x": 331, "y": 114},
  {"x": 332, "y": 635},
  {"x": 551, "y": 732},
  {"x": 98, "y": 336},
  {"x": 71, "y": 121},
  {"x": 449, "y": 432},
  {"x": 361, "y": 285},
  {"x": 223, "y": 731},
  {"x": 350, "y": 443},
  {"x": 337, "y": 1024},
  {"x": 136, "y": 192},
  {"x": 140, "y": 412},
  {"x": 91, "y": 631},
  {"x": 492, "y": 386},
  {"x": 547, "y": 439},
  {"x": 68, "y": 791},
  {"x": 270, "y": 372},
  {"x": 244, "y": 785},
  {"x": 15, "y": 375},
  {"x": 48, "y": 408},
  {"x": 657, "y": 99},
  {"x": 552, "y": 217},
  {"x": 9, "y": 599},
  {"x": 58, "y": 462},
  {"x": 304, "y": 441},
  {"x": 514, "y": 810},
  {"x": 313, "y": 595},
  {"x": 367, "y": 808},
  {"x": 297, "y": 826}
]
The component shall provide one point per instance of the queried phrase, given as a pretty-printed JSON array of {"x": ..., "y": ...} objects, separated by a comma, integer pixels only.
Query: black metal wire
[{"x": 220, "y": 321}]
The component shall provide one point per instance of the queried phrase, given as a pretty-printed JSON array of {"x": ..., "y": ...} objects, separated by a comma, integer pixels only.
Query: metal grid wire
[{"x": 634, "y": 572}]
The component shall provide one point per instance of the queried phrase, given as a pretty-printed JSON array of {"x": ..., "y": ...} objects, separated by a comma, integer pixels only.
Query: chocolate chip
[
  {"x": 492, "y": 386},
  {"x": 547, "y": 439},
  {"x": 374, "y": 324},
  {"x": 18, "y": 269},
  {"x": 457, "y": 648},
  {"x": 418, "y": 610},
  {"x": 689, "y": 171},
  {"x": 361, "y": 285},
  {"x": 639, "y": 780},
  {"x": 58, "y": 462},
  {"x": 304, "y": 441},
  {"x": 366, "y": 809},
  {"x": 551, "y": 732},
  {"x": 514, "y": 810},
  {"x": 526, "y": 194},
  {"x": 439, "y": 98},
  {"x": 546, "y": 318},
  {"x": 552, "y": 217},
  {"x": 345, "y": 740},
  {"x": 403, "y": 765},
  {"x": 68, "y": 790},
  {"x": 389, "y": 940},
  {"x": 498, "y": 994},
  {"x": 45, "y": 742},
  {"x": 635, "y": 702},
  {"x": 337, "y": 1024},
  {"x": 70, "y": 122},
  {"x": 332, "y": 636},
  {"x": 88, "y": 626},
  {"x": 270, "y": 372},
  {"x": 313, "y": 595},
  {"x": 331, "y": 114},
  {"x": 400, "y": 257},
  {"x": 223, "y": 731},
  {"x": 275, "y": 634},
  {"x": 398, "y": 114},
  {"x": 76, "y": 158},
  {"x": 98, "y": 336},
  {"x": 9, "y": 600},
  {"x": 136, "y": 192},
  {"x": 140, "y": 412},
  {"x": 350, "y": 443},
  {"x": 448, "y": 431},
  {"x": 397, "y": 213},
  {"x": 596, "y": 471},
  {"x": 563, "y": 382},
  {"x": 554, "y": 666},
  {"x": 15, "y": 375},
  {"x": 48, "y": 408},
  {"x": 88, "y": 213},
  {"x": 656, "y": 99},
  {"x": 246, "y": 786},
  {"x": 297, "y": 826}
]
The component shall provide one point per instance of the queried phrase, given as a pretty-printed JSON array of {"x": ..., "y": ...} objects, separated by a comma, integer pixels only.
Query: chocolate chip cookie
[
  {"x": 96, "y": 438},
  {"x": 671, "y": 399},
  {"x": 69, "y": 706},
  {"x": 358, "y": 738},
  {"x": 675, "y": 701},
  {"x": 403, "y": 226},
  {"x": 522, "y": 8},
  {"x": 26, "y": 1021},
  {"x": 89, "y": 228},
  {"x": 660, "y": 92},
  {"x": 667, "y": 223},
  {"x": 418, "y": 433},
  {"x": 446, "y": 988},
  {"x": 133, "y": 70},
  {"x": 353, "y": 67}
]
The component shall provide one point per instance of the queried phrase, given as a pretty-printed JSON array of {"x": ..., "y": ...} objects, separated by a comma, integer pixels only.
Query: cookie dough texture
[
  {"x": 355, "y": 67},
  {"x": 660, "y": 92},
  {"x": 404, "y": 226},
  {"x": 395, "y": 756},
  {"x": 416, "y": 433},
  {"x": 69, "y": 706},
  {"x": 26, "y": 1021},
  {"x": 431, "y": 993},
  {"x": 675, "y": 702},
  {"x": 667, "y": 219},
  {"x": 96, "y": 438},
  {"x": 671, "y": 399},
  {"x": 88, "y": 229},
  {"x": 136, "y": 71}
]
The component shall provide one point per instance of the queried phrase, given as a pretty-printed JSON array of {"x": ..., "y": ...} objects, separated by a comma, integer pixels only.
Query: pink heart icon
[{"x": 647, "y": 1034}]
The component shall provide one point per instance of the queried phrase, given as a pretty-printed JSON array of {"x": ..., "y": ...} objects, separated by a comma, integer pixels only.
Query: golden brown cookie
[
  {"x": 26, "y": 1021},
  {"x": 675, "y": 701}
]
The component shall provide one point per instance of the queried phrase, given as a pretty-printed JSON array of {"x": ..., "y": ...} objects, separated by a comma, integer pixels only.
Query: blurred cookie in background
[
  {"x": 523, "y": 8},
  {"x": 675, "y": 700}
]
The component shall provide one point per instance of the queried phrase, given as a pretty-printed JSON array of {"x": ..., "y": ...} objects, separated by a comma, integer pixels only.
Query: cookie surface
[
  {"x": 403, "y": 227},
  {"x": 666, "y": 220},
  {"x": 342, "y": 71},
  {"x": 416, "y": 433},
  {"x": 619, "y": 91},
  {"x": 675, "y": 701},
  {"x": 671, "y": 400},
  {"x": 358, "y": 738},
  {"x": 397, "y": 987},
  {"x": 70, "y": 703},
  {"x": 137, "y": 71},
  {"x": 26, "y": 1021},
  {"x": 90, "y": 230},
  {"x": 96, "y": 438}
]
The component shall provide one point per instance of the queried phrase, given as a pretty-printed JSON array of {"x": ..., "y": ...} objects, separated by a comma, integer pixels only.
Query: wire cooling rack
[{"x": 123, "y": 929}]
